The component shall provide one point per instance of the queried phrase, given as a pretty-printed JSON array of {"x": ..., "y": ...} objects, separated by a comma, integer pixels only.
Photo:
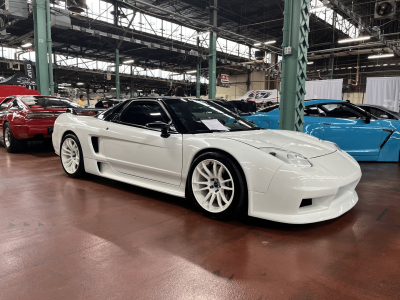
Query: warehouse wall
[{"x": 238, "y": 85}]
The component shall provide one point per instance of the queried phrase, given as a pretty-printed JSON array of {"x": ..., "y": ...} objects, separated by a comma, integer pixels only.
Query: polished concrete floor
[{"x": 94, "y": 238}]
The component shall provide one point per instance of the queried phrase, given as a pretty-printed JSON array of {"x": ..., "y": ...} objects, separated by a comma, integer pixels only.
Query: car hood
[{"x": 302, "y": 143}]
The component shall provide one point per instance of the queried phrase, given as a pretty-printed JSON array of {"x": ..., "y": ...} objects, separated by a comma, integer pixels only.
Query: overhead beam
[{"x": 357, "y": 19}]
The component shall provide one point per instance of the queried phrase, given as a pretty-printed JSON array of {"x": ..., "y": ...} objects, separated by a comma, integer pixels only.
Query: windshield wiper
[{"x": 246, "y": 129}]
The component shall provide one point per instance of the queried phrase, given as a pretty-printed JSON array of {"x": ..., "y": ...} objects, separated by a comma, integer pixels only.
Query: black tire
[
  {"x": 11, "y": 143},
  {"x": 80, "y": 170},
  {"x": 239, "y": 203}
]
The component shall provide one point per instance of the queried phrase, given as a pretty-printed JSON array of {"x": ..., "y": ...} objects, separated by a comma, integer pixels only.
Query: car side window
[
  {"x": 312, "y": 111},
  {"x": 16, "y": 104},
  {"x": 143, "y": 112},
  {"x": 5, "y": 103},
  {"x": 380, "y": 113},
  {"x": 341, "y": 111}
]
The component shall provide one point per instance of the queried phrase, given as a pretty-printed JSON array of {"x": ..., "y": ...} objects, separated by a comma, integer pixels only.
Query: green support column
[
  {"x": 295, "y": 35},
  {"x": 212, "y": 61},
  {"x": 49, "y": 45},
  {"x": 117, "y": 73},
  {"x": 40, "y": 31},
  {"x": 88, "y": 96},
  {"x": 132, "y": 90},
  {"x": 198, "y": 71}
]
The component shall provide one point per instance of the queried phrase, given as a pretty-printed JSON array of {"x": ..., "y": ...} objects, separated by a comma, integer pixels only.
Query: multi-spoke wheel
[
  {"x": 10, "y": 142},
  {"x": 217, "y": 186},
  {"x": 71, "y": 156}
]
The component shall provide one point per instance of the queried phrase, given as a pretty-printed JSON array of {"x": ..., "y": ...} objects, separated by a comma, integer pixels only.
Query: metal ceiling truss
[
  {"x": 358, "y": 20},
  {"x": 158, "y": 46}
]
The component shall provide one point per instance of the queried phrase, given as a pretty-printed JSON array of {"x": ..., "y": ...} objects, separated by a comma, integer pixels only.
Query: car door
[
  {"x": 312, "y": 123},
  {"x": 351, "y": 128},
  {"x": 132, "y": 148}
]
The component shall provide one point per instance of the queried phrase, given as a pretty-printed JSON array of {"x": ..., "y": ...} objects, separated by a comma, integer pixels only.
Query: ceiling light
[
  {"x": 80, "y": 83},
  {"x": 129, "y": 61},
  {"x": 310, "y": 63},
  {"x": 319, "y": 8},
  {"x": 270, "y": 42},
  {"x": 257, "y": 44},
  {"x": 360, "y": 38},
  {"x": 26, "y": 45},
  {"x": 381, "y": 56},
  {"x": 193, "y": 71}
]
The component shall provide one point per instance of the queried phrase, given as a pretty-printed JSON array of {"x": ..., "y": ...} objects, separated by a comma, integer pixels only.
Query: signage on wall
[
  {"x": 224, "y": 78},
  {"x": 29, "y": 69}
]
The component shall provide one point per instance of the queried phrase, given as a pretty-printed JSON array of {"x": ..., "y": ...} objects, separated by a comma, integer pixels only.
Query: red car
[{"x": 32, "y": 117}]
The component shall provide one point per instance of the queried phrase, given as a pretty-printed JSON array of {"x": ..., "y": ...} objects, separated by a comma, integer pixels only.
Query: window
[
  {"x": 16, "y": 104},
  {"x": 379, "y": 113},
  {"x": 44, "y": 102},
  {"x": 311, "y": 111},
  {"x": 5, "y": 102},
  {"x": 142, "y": 113},
  {"x": 112, "y": 113},
  {"x": 342, "y": 111}
]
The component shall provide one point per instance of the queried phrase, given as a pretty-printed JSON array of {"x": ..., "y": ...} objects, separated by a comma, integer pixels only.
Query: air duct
[
  {"x": 17, "y": 9},
  {"x": 76, "y": 6}
]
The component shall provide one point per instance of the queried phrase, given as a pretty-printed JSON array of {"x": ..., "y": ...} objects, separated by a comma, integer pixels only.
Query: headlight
[
  {"x": 334, "y": 145},
  {"x": 289, "y": 157}
]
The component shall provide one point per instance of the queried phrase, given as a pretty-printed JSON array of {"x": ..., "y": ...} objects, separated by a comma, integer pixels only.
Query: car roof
[{"x": 321, "y": 101}]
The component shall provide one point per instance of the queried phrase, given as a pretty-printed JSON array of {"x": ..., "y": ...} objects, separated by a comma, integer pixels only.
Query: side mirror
[
  {"x": 367, "y": 120},
  {"x": 160, "y": 125}
]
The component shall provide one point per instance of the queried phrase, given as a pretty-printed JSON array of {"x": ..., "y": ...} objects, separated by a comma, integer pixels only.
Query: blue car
[{"x": 354, "y": 130}]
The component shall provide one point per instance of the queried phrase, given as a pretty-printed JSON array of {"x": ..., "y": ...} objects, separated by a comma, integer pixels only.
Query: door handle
[{"x": 326, "y": 124}]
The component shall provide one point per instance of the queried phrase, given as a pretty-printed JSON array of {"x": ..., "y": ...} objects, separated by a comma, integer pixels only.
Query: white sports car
[{"x": 222, "y": 163}]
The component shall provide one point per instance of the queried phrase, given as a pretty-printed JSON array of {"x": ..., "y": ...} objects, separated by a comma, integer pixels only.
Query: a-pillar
[{"x": 294, "y": 63}]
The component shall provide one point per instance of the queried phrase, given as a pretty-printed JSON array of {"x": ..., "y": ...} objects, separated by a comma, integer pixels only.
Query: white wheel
[
  {"x": 70, "y": 155},
  {"x": 213, "y": 186}
]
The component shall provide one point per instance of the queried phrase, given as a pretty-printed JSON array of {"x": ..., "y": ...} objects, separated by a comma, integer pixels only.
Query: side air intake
[{"x": 95, "y": 144}]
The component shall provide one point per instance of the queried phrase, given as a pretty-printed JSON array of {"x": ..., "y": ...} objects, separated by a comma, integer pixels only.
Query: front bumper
[{"x": 330, "y": 185}]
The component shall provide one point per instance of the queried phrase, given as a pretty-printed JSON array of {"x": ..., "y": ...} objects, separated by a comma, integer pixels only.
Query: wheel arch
[{"x": 215, "y": 150}]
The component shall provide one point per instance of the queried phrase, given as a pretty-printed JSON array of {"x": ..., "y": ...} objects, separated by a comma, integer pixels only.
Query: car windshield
[
  {"x": 269, "y": 108},
  {"x": 48, "y": 102},
  {"x": 199, "y": 116}
]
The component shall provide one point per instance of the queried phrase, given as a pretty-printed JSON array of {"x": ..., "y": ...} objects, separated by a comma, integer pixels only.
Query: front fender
[{"x": 258, "y": 167}]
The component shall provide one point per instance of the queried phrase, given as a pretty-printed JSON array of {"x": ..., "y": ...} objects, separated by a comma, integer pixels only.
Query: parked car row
[{"x": 214, "y": 152}]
